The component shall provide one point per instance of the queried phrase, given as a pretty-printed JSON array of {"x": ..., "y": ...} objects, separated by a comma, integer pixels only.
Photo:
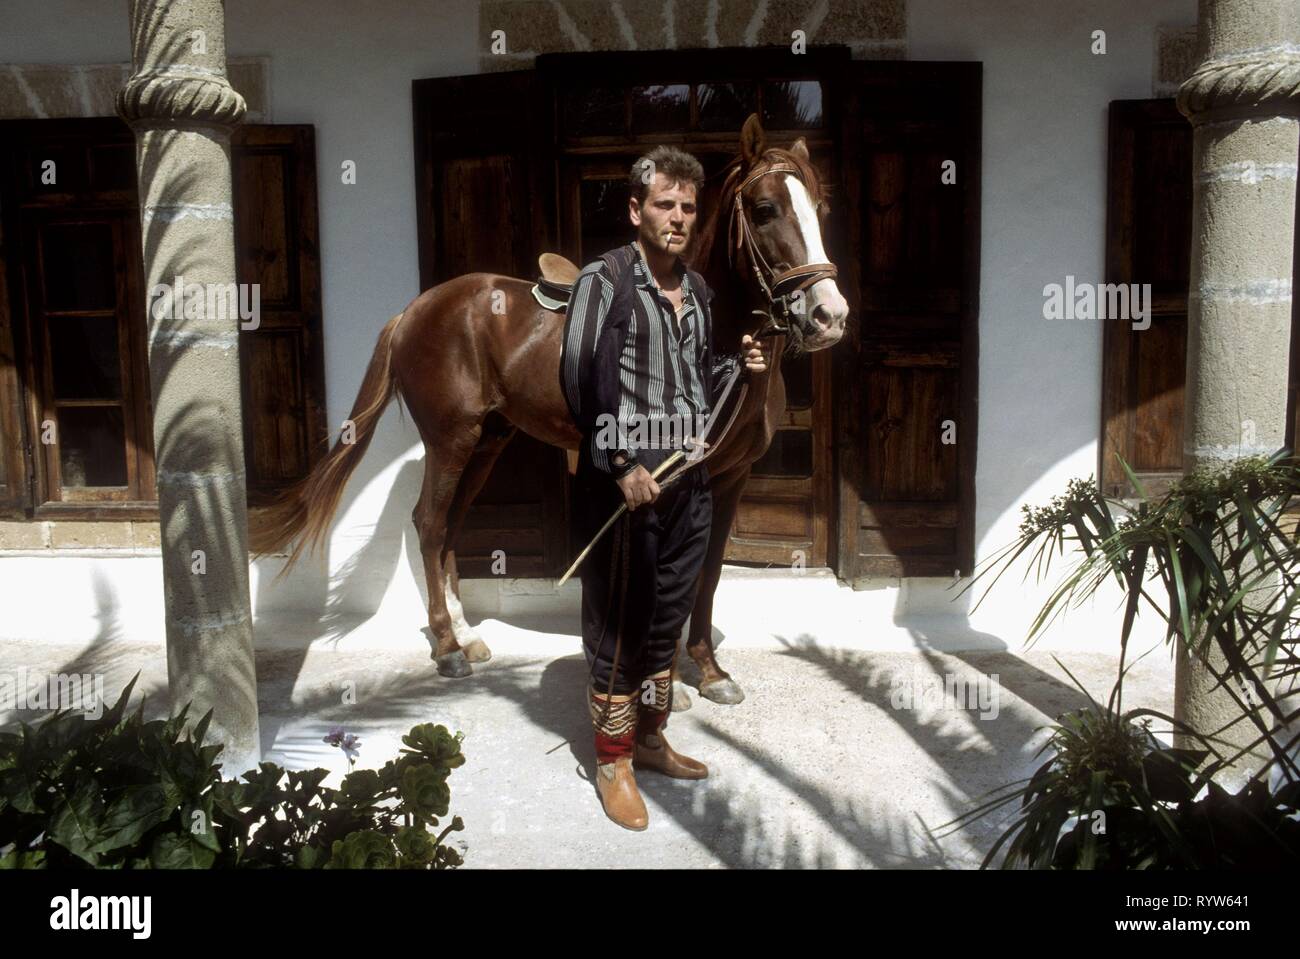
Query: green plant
[
  {"x": 376, "y": 819},
  {"x": 1215, "y": 544},
  {"x": 1113, "y": 796},
  {"x": 119, "y": 792}
]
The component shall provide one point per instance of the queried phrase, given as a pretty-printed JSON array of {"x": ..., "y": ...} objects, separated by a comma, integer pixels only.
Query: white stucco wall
[
  {"x": 1043, "y": 194},
  {"x": 347, "y": 68}
]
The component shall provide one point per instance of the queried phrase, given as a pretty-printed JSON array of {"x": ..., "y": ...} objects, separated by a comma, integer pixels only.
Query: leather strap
[{"x": 777, "y": 287}]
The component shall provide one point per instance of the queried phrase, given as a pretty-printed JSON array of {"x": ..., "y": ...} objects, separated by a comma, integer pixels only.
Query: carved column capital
[
  {"x": 171, "y": 97},
  {"x": 1264, "y": 85}
]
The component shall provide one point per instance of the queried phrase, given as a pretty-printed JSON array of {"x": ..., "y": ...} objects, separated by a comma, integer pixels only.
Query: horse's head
[{"x": 776, "y": 217}]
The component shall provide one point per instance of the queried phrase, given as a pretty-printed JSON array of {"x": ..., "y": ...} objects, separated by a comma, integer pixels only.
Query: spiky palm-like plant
[{"x": 1210, "y": 557}]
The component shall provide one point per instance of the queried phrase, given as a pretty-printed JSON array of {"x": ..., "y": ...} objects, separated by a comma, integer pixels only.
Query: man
[{"x": 640, "y": 377}]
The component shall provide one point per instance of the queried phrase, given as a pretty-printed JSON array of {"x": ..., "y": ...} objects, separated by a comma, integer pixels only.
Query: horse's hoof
[
  {"x": 453, "y": 664},
  {"x": 681, "y": 698},
  {"x": 725, "y": 692},
  {"x": 476, "y": 651}
]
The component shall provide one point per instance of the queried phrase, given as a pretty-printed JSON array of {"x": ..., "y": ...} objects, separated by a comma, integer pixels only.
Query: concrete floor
[{"x": 825, "y": 763}]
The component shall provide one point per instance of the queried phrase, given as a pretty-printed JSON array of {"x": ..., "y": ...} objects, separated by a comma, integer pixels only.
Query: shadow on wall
[{"x": 357, "y": 588}]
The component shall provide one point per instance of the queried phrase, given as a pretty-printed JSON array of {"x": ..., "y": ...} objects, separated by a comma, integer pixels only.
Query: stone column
[
  {"x": 182, "y": 109},
  {"x": 1243, "y": 101}
]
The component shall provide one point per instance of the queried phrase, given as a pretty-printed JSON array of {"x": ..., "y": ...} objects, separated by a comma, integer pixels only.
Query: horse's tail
[{"x": 304, "y": 510}]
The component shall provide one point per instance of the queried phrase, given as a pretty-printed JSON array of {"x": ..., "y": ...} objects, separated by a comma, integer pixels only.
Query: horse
[{"x": 477, "y": 358}]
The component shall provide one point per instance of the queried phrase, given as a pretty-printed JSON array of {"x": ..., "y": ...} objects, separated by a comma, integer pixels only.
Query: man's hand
[
  {"x": 638, "y": 487},
  {"x": 753, "y": 353}
]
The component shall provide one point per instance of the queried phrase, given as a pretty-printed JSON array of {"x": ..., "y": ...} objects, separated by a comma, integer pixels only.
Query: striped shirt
[{"x": 667, "y": 369}]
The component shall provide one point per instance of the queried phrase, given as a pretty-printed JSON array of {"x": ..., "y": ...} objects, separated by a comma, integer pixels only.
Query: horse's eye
[{"x": 764, "y": 213}]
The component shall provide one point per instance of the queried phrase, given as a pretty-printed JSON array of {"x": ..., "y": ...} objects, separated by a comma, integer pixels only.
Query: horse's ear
[
  {"x": 800, "y": 149},
  {"x": 753, "y": 141}
]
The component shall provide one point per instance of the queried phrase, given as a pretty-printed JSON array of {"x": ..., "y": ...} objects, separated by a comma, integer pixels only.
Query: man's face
[{"x": 666, "y": 220}]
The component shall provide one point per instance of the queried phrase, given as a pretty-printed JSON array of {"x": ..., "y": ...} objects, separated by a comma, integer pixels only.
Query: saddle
[{"x": 555, "y": 284}]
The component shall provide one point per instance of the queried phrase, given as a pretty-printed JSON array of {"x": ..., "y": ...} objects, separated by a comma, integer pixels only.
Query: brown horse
[{"x": 477, "y": 358}]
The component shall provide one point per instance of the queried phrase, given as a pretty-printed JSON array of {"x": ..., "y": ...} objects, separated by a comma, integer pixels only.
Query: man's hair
[{"x": 675, "y": 164}]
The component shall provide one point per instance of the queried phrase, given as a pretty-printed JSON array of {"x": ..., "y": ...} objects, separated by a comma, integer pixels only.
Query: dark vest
[{"x": 599, "y": 387}]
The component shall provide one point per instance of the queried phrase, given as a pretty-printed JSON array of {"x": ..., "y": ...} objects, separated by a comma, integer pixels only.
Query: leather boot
[
  {"x": 614, "y": 720},
  {"x": 653, "y": 752},
  {"x": 616, "y": 784}
]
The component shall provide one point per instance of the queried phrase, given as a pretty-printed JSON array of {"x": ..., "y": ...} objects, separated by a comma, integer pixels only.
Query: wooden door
[
  {"x": 484, "y": 193},
  {"x": 874, "y": 469},
  {"x": 906, "y": 386},
  {"x": 700, "y": 102}
]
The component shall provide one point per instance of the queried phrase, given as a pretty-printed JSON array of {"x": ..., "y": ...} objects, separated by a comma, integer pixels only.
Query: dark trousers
[{"x": 652, "y": 556}]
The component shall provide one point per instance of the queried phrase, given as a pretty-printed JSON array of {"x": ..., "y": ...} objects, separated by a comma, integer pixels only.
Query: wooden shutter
[
  {"x": 282, "y": 361},
  {"x": 15, "y": 487},
  {"x": 485, "y": 187},
  {"x": 907, "y": 498},
  {"x": 1148, "y": 240}
]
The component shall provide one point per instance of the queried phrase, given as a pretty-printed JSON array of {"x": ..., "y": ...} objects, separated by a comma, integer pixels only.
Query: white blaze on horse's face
[{"x": 823, "y": 303}]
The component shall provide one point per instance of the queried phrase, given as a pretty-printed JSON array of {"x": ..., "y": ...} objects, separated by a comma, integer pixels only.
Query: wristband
[{"x": 619, "y": 470}]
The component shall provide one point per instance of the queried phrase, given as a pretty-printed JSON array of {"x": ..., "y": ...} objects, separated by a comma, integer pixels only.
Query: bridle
[{"x": 779, "y": 288}]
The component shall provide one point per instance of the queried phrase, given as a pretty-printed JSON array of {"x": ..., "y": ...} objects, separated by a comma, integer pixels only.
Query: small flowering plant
[
  {"x": 386, "y": 818},
  {"x": 347, "y": 742}
]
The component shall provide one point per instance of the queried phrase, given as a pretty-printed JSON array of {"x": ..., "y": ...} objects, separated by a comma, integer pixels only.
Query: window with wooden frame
[
  {"x": 76, "y": 423},
  {"x": 1149, "y": 240}
]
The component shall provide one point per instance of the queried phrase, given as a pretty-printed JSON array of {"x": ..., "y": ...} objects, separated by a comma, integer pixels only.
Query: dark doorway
[{"x": 514, "y": 164}]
